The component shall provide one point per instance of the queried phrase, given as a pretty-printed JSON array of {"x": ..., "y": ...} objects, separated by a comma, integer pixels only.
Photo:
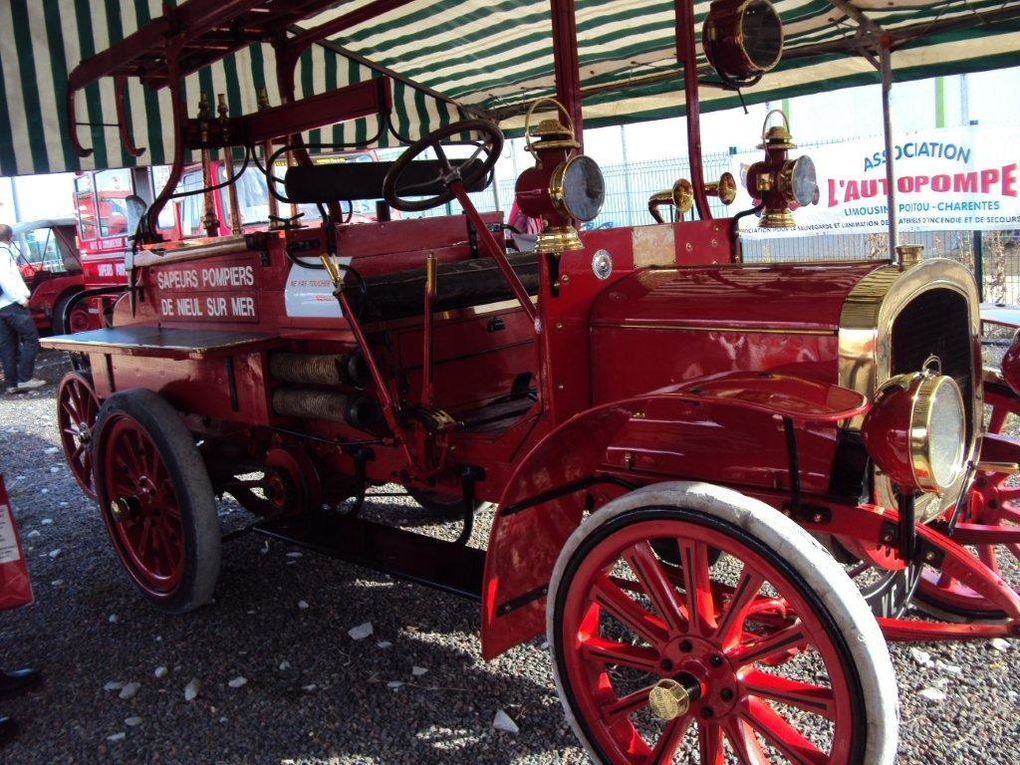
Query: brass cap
[
  {"x": 669, "y": 700},
  {"x": 778, "y": 137},
  {"x": 910, "y": 254}
]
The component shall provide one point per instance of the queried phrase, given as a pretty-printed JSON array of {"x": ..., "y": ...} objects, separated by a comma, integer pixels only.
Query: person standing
[{"x": 19, "y": 339}]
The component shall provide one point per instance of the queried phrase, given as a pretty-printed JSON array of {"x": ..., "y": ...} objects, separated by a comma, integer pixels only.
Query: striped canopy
[{"x": 456, "y": 57}]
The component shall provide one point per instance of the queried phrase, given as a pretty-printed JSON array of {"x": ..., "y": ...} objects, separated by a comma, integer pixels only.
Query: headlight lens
[
  {"x": 579, "y": 189},
  {"x": 916, "y": 431},
  {"x": 937, "y": 433}
]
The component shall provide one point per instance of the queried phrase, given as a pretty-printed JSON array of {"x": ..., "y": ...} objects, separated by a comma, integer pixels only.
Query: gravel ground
[{"x": 312, "y": 693}]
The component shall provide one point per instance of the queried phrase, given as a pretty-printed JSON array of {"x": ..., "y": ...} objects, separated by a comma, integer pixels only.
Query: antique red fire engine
[{"x": 690, "y": 455}]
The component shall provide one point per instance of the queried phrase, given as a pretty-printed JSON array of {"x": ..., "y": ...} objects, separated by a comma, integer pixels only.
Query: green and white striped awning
[{"x": 485, "y": 56}]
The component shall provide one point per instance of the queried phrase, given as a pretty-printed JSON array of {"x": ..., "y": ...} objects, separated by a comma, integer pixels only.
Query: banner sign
[{"x": 946, "y": 179}]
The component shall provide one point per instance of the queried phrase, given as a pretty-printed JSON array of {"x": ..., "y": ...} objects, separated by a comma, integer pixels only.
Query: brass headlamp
[
  {"x": 563, "y": 186},
  {"x": 916, "y": 430},
  {"x": 780, "y": 181},
  {"x": 742, "y": 39}
]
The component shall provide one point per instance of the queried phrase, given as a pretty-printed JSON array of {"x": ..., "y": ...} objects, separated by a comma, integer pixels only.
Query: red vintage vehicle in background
[
  {"x": 719, "y": 485},
  {"x": 50, "y": 265}
]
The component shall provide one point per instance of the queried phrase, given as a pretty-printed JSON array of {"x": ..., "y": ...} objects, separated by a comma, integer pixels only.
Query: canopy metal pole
[
  {"x": 885, "y": 59},
  {"x": 565, "y": 59}
]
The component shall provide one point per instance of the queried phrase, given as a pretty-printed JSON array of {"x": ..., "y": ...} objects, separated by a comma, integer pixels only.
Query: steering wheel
[{"x": 491, "y": 145}]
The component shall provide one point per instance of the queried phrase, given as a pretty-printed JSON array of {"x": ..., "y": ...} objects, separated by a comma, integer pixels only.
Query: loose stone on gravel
[
  {"x": 921, "y": 657},
  {"x": 113, "y": 685},
  {"x": 160, "y": 672},
  {"x": 191, "y": 689},
  {"x": 129, "y": 690},
  {"x": 361, "y": 632},
  {"x": 238, "y": 682},
  {"x": 117, "y": 737},
  {"x": 133, "y": 722},
  {"x": 503, "y": 722},
  {"x": 933, "y": 694},
  {"x": 302, "y": 604},
  {"x": 417, "y": 671},
  {"x": 999, "y": 644}
]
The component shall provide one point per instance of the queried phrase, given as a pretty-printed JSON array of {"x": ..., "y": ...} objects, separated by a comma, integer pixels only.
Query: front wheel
[
  {"x": 156, "y": 499},
  {"x": 765, "y": 652}
]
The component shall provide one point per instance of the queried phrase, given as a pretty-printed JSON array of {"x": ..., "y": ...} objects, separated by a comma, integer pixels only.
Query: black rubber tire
[
  {"x": 193, "y": 489},
  {"x": 56, "y": 321}
]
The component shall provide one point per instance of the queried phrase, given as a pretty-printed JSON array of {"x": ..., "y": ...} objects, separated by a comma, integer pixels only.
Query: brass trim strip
[{"x": 723, "y": 328}]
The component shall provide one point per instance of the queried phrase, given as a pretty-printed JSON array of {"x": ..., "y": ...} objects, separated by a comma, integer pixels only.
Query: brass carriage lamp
[
  {"x": 780, "y": 181},
  {"x": 563, "y": 187}
]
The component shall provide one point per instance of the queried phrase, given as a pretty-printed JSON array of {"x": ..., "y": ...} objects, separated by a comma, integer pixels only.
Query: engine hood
[{"x": 790, "y": 298}]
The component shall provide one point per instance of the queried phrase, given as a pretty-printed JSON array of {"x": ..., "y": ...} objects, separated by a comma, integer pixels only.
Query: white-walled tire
[{"x": 771, "y": 608}]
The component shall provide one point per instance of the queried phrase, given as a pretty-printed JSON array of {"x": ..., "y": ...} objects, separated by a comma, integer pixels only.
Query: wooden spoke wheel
[
  {"x": 992, "y": 502},
  {"x": 77, "y": 409},
  {"x": 767, "y": 654},
  {"x": 157, "y": 501}
]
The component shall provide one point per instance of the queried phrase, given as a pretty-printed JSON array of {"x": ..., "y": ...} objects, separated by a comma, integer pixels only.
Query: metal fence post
[{"x": 979, "y": 265}]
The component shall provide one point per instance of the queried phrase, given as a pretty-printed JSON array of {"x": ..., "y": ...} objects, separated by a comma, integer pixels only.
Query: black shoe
[
  {"x": 18, "y": 682},
  {"x": 8, "y": 729}
]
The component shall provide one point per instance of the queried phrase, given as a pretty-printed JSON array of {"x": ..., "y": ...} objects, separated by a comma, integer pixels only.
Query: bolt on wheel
[
  {"x": 77, "y": 409},
  {"x": 764, "y": 652}
]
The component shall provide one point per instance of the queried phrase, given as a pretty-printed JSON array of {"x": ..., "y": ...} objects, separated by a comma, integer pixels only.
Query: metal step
[{"x": 433, "y": 562}]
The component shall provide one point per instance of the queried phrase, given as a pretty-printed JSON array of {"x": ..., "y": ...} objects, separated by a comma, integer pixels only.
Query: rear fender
[{"x": 727, "y": 429}]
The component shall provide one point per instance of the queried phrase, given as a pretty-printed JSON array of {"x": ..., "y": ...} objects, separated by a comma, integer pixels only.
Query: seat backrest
[{"x": 349, "y": 181}]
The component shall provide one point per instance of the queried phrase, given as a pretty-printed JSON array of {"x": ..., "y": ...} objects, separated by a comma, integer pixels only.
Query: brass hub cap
[
  {"x": 120, "y": 509},
  {"x": 669, "y": 700}
]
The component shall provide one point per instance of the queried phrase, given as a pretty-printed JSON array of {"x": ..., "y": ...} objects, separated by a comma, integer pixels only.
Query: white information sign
[
  {"x": 8, "y": 540},
  {"x": 309, "y": 293},
  {"x": 947, "y": 179}
]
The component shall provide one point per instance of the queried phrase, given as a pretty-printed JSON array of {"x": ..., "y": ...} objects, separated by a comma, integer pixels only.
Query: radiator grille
[{"x": 936, "y": 323}]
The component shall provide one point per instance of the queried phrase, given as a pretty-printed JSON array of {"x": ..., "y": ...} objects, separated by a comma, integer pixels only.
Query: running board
[{"x": 426, "y": 560}]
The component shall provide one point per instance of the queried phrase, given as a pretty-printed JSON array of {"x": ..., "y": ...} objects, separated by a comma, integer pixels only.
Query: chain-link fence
[{"x": 629, "y": 186}]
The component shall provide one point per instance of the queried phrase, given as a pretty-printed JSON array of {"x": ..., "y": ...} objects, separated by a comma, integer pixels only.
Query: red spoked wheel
[
  {"x": 77, "y": 409},
  {"x": 992, "y": 502},
  {"x": 157, "y": 501},
  {"x": 766, "y": 654}
]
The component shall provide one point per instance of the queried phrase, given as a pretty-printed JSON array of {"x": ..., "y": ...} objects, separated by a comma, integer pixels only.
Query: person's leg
[
  {"x": 8, "y": 350},
  {"x": 29, "y": 336}
]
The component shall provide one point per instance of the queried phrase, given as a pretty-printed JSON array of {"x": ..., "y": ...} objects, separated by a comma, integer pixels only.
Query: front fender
[{"x": 728, "y": 429}]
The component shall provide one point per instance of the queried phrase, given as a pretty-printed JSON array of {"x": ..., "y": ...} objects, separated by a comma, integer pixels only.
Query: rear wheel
[
  {"x": 769, "y": 653},
  {"x": 157, "y": 501},
  {"x": 77, "y": 409},
  {"x": 79, "y": 319}
]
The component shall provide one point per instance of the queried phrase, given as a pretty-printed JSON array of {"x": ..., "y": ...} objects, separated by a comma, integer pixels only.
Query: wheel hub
[{"x": 699, "y": 664}]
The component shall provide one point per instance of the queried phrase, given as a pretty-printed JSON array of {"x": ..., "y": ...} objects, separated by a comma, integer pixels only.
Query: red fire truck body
[{"x": 688, "y": 453}]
